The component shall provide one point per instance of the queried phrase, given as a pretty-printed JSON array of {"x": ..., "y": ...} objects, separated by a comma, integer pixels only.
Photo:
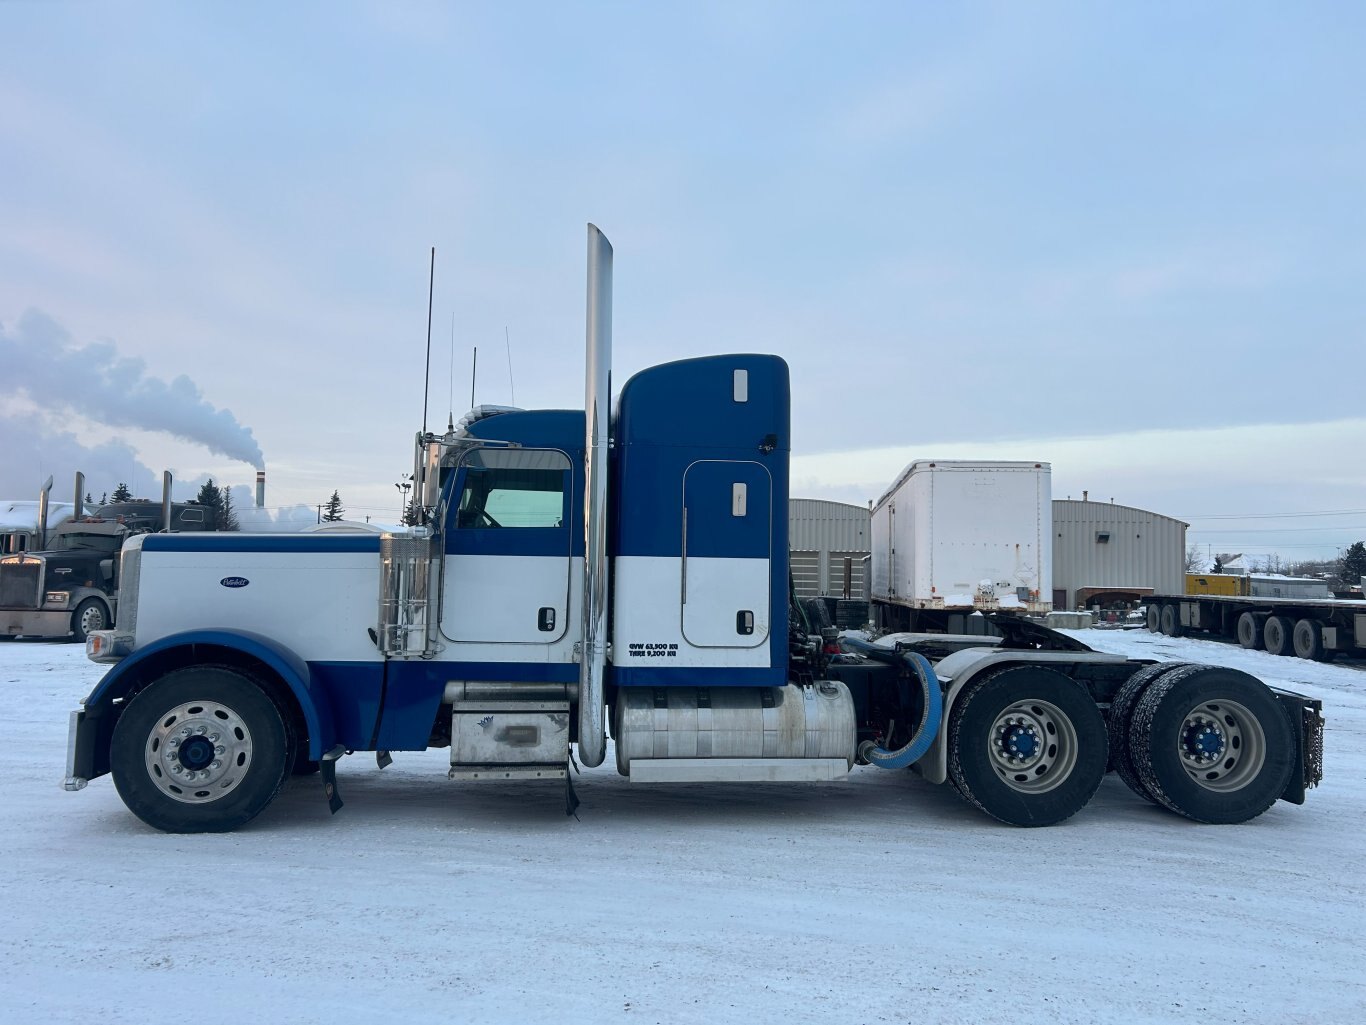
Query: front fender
[{"x": 200, "y": 646}]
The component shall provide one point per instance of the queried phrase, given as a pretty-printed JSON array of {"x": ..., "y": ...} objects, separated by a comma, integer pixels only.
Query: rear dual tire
[{"x": 1210, "y": 743}]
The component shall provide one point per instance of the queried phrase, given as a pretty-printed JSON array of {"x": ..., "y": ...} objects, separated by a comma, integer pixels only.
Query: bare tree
[{"x": 1195, "y": 560}]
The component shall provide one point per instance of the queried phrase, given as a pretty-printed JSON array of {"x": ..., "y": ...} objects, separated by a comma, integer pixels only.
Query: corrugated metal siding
[
  {"x": 820, "y": 531},
  {"x": 806, "y": 573},
  {"x": 1146, "y": 549},
  {"x": 836, "y": 565}
]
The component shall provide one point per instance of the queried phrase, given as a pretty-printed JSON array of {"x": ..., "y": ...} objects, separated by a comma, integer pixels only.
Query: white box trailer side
[{"x": 965, "y": 534}]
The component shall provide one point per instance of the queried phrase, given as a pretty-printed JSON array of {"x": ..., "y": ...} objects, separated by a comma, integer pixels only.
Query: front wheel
[
  {"x": 1027, "y": 745},
  {"x": 200, "y": 750},
  {"x": 90, "y": 615}
]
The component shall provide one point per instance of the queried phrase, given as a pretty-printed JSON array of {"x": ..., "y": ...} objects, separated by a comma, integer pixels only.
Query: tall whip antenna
[
  {"x": 474, "y": 374},
  {"x": 450, "y": 415},
  {"x": 427, "y": 373},
  {"x": 511, "y": 384}
]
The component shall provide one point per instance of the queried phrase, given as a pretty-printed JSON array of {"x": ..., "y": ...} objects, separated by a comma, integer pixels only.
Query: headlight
[{"x": 58, "y": 598}]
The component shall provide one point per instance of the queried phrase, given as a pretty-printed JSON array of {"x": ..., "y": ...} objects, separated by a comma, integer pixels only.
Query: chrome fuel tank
[{"x": 809, "y": 721}]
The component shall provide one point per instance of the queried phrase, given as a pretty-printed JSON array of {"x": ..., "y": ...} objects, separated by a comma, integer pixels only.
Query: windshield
[{"x": 86, "y": 543}]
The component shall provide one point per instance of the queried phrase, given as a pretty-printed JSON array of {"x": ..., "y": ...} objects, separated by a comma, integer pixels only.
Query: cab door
[
  {"x": 508, "y": 549},
  {"x": 727, "y": 547}
]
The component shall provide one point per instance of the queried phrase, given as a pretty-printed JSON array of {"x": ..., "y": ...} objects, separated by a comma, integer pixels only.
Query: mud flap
[{"x": 327, "y": 768}]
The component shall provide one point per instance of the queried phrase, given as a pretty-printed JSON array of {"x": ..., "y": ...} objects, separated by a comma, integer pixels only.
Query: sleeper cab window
[{"x": 513, "y": 487}]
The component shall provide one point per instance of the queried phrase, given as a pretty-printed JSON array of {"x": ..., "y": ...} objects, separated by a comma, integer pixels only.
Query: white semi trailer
[
  {"x": 578, "y": 575},
  {"x": 962, "y": 536}
]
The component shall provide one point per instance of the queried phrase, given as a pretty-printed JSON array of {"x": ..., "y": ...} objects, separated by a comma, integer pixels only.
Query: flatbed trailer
[{"x": 1311, "y": 628}]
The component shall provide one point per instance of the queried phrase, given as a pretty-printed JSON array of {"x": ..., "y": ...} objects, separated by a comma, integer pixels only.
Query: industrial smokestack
[{"x": 260, "y": 489}]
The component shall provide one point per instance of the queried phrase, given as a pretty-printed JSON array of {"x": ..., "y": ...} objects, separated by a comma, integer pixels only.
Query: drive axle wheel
[
  {"x": 1121, "y": 714},
  {"x": 201, "y": 750},
  {"x": 1027, "y": 746},
  {"x": 1212, "y": 744}
]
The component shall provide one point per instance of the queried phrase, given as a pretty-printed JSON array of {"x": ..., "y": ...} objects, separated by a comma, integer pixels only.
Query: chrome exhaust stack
[
  {"x": 78, "y": 506},
  {"x": 597, "y": 413},
  {"x": 42, "y": 514},
  {"x": 166, "y": 501}
]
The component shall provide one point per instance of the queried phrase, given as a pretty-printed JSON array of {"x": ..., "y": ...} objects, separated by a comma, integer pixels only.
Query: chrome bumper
[{"x": 74, "y": 782}]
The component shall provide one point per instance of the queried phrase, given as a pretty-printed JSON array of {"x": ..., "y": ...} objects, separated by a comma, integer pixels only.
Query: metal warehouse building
[
  {"x": 1105, "y": 553},
  {"x": 829, "y": 541}
]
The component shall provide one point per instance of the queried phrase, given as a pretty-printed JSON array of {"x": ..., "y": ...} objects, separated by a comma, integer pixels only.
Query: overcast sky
[{"x": 1126, "y": 239}]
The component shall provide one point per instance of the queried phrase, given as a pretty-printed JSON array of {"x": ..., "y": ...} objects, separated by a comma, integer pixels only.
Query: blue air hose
[{"x": 924, "y": 735}]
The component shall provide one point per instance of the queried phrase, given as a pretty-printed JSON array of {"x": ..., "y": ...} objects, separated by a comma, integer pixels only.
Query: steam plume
[{"x": 42, "y": 362}]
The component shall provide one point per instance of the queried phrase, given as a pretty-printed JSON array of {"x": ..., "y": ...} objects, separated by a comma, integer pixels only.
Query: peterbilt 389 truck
[{"x": 586, "y": 580}]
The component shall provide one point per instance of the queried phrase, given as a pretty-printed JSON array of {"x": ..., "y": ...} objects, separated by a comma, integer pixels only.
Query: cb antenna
[
  {"x": 511, "y": 383},
  {"x": 427, "y": 372},
  {"x": 450, "y": 416},
  {"x": 474, "y": 374}
]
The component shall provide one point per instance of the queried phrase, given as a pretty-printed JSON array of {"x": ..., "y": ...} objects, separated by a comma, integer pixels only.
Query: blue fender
[{"x": 290, "y": 668}]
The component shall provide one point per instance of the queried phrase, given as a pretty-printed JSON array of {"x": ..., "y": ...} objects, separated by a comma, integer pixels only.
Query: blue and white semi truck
[{"x": 586, "y": 573}]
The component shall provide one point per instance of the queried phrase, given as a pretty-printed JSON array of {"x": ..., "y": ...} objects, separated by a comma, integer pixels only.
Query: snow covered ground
[{"x": 883, "y": 899}]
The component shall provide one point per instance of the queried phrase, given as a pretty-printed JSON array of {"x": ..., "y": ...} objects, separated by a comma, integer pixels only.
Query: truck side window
[{"x": 513, "y": 488}]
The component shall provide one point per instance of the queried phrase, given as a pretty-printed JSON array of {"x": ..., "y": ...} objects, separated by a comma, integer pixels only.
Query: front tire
[
  {"x": 200, "y": 750},
  {"x": 90, "y": 615},
  {"x": 1212, "y": 744},
  {"x": 1027, "y": 746}
]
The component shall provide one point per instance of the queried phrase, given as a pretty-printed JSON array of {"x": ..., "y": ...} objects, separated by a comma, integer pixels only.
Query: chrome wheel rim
[
  {"x": 1221, "y": 746},
  {"x": 92, "y": 619},
  {"x": 198, "y": 752},
  {"x": 1033, "y": 746}
]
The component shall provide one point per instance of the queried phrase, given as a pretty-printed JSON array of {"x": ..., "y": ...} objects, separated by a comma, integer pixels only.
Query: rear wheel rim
[
  {"x": 198, "y": 752},
  {"x": 1221, "y": 746},
  {"x": 1032, "y": 746}
]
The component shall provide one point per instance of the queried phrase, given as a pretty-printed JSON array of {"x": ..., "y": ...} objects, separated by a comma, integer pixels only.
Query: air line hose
[{"x": 933, "y": 703}]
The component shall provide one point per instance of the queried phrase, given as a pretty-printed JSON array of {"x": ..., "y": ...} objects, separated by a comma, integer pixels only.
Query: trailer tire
[
  {"x": 1027, "y": 746},
  {"x": 1154, "y": 619},
  {"x": 217, "y": 776},
  {"x": 1277, "y": 634},
  {"x": 1308, "y": 640},
  {"x": 90, "y": 615},
  {"x": 1171, "y": 621},
  {"x": 1250, "y": 632},
  {"x": 1121, "y": 716},
  {"x": 1212, "y": 744}
]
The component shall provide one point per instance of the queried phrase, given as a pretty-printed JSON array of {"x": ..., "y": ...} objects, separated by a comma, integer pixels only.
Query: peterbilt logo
[{"x": 234, "y": 581}]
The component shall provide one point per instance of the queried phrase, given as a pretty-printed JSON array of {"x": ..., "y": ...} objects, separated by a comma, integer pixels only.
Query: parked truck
[
  {"x": 68, "y": 586},
  {"x": 577, "y": 575},
  {"x": 22, "y": 523},
  {"x": 955, "y": 536}
]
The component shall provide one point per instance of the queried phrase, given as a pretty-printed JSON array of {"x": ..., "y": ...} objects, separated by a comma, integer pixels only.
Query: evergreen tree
[
  {"x": 412, "y": 516},
  {"x": 104, "y": 498},
  {"x": 1352, "y": 566},
  {"x": 211, "y": 497},
  {"x": 121, "y": 493},
  {"x": 88, "y": 499},
  {"x": 1218, "y": 564},
  {"x": 332, "y": 509},
  {"x": 227, "y": 516}
]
